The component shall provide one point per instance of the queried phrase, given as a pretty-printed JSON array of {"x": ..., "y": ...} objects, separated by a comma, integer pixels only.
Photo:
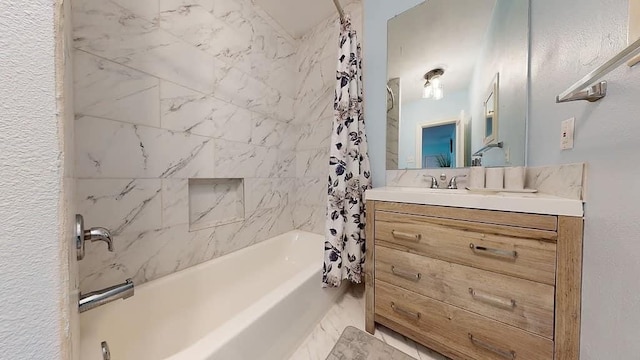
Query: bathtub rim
[{"x": 293, "y": 235}]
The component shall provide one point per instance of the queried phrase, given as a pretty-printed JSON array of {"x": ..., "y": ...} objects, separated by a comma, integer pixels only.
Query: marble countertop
[{"x": 516, "y": 202}]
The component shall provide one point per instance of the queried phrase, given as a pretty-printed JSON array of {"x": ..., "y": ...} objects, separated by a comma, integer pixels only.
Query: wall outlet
[
  {"x": 566, "y": 134},
  {"x": 507, "y": 155}
]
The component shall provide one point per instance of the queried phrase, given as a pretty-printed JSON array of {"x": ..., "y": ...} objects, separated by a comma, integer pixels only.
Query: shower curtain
[{"x": 349, "y": 169}]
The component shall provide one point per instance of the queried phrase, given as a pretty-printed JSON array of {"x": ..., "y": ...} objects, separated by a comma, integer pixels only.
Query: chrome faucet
[
  {"x": 434, "y": 181},
  {"x": 99, "y": 234},
  {"x": 453, "y": 183},
  {"x": 105, "y": 296},
  {"x": 94, "y": 234}
]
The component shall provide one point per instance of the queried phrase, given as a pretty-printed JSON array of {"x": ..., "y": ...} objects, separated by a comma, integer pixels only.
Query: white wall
[
  {"x": 376, "y": 15},
  {"x": 426, "y": 111},
  {"x": 33, "y": 314},
  {"x": 569, "y": 39}
]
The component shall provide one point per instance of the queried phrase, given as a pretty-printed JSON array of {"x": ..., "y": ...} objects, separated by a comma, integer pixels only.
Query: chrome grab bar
[
  {"x": 406, "y": 236},
  {"x": 105, "y": 296},
  {"x": 405, "y": 274},
  {"x": 492, "y": 299},
  {"x": 507, "y": 354},
  {"x": 482, "y": 250},
  {"x": 401, "y": 311}
]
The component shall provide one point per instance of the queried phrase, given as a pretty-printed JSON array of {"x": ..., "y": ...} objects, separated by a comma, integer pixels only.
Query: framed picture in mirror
[{"x": 491, "y": 112}]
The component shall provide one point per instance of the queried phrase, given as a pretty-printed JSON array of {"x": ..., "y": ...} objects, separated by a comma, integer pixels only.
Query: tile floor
[{"x": 349, "y": 310}]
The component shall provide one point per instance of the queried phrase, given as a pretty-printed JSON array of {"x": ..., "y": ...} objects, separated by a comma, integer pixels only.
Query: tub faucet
[
  {"x": 99, "y": 234},
  {"x": 105, "y": 296},
  {"x": 94, "y": 234}
]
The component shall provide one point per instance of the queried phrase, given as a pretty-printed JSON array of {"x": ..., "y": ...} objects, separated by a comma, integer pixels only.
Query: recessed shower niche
[{"x": 214, "y": 202}]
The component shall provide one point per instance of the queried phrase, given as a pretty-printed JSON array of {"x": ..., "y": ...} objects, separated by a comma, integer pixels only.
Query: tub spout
[{"x": 105, "y": 296}]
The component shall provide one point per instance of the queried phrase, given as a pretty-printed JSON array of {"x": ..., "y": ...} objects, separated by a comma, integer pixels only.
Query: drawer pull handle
[
  {"x": 481, "y": 250},
  {"x": 406, "y": 236},
  {"x": 408, "y": 313},
  {"x": 405, "y": 274},
  {"x": 492, "y": 299},
  {"x": 507, "y": 354}
]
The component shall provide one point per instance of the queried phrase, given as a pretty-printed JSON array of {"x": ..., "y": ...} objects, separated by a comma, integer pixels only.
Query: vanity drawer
[
  {"x": 522, "y": 303},
  {"x": 428, "y": 321},
  {"x": 530, "y": 259}
]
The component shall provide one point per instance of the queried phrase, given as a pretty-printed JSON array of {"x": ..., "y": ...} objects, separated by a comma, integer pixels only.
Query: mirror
[{"x": 457, "y": 84}]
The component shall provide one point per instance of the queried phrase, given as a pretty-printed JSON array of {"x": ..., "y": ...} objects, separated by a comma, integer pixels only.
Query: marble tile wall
[
  {"x": 567, "y": 181},
  {"x": 313, "y": 115},
  {"x": 167, "y": 91}
]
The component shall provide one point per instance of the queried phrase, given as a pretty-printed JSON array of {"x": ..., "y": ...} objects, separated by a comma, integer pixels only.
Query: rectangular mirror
[{"x": 457, "y": 84}]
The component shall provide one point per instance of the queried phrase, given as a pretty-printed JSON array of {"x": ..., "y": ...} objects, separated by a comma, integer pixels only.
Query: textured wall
[
  {"x": 33, "y": 316},
  {"x": 166, "y": 92},
  {"x": 67, "y": 211},
  {"x": 317, "y": 60},
  {"x": 564, "y": 48}
]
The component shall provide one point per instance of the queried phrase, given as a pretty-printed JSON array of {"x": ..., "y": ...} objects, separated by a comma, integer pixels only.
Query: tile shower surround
[{"x": 167, "y": 91}]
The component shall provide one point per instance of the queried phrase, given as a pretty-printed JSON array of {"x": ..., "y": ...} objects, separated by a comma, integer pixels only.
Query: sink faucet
[
  {"x": 453, "y": 183},
  {"x": 105, "y": 296},
  {"x": 434, "y": 181}
]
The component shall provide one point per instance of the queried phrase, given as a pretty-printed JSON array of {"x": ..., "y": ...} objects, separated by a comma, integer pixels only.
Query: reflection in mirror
[
  {"x": 491, "y": 113},
  {"x": 457, "y": 82}
]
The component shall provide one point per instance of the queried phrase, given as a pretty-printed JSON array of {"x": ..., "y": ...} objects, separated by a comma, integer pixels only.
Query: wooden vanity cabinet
[{"x": 475, "y": 284}]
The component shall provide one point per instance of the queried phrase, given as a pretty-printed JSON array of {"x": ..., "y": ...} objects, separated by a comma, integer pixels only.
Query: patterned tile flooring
[{"x": 349, "y": 311}]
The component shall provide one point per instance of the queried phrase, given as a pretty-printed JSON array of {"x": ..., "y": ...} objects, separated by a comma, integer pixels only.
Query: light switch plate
[{"x": 566, "y": 134}]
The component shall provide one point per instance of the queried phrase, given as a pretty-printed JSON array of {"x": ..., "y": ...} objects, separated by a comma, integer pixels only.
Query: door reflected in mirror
[
  {"x": 457, "y": 81},
  {"x": 439, "y": 143}
]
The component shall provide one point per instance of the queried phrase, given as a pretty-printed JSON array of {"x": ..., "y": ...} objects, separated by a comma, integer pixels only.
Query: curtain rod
[{"x": 339, "y": 7}]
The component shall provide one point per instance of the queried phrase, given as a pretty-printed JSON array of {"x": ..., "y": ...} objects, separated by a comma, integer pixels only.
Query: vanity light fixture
[{"x": 433, "y": 88}]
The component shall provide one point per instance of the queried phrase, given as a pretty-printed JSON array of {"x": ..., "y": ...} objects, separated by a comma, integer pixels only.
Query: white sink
[{"x": 516, "y": 202}]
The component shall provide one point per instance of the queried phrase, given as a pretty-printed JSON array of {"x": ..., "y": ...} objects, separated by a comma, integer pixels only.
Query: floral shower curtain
[{"x": 349, "y": 169}]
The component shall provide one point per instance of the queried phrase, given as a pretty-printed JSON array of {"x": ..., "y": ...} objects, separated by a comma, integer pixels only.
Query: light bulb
[
  {"x": 438, "y": 89},
  {"x": 427, "y": 92}
]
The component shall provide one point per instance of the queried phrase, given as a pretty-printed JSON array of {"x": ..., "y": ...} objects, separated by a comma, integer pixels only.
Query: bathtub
[{"x": 256, "y": 303}]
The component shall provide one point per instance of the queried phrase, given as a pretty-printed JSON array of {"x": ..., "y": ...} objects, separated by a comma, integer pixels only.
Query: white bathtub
[{"x": 256, "y": 303}]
